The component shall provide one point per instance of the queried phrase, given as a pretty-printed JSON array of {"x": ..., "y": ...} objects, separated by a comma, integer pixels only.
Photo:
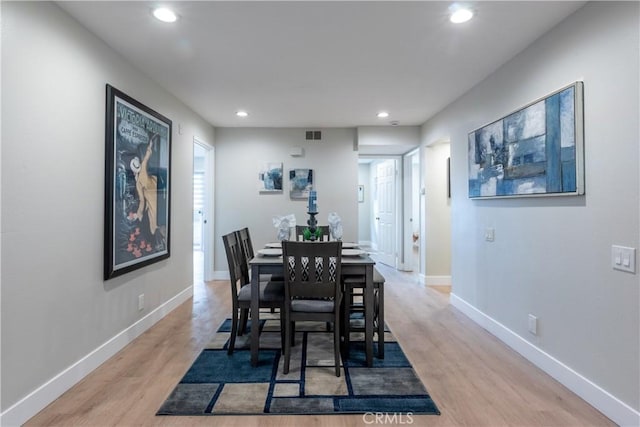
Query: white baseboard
[
  {"x": 33, "y": 403},
  {"x": 437, "y": 280},
  {"x": 612, "y": 407}
]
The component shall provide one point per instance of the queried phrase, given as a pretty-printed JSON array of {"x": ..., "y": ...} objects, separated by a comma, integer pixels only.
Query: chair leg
[
  {"x": 381, "y": 321},
  {"x": 244, "y": 316},
  {"x": 336, "y": 343},
  {"x": 234, "y": 331},
  {"x": 347, "y": 300},
  {"x": 283, "y": 327},
  {"x": 287, "y": 346}
]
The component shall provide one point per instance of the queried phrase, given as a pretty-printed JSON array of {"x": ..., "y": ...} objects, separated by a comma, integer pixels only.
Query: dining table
[{"x": 354, "y": 263}]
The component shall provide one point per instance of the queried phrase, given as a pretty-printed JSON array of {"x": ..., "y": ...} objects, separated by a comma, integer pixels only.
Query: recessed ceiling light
[
  {"x": 460, "y": 15},
  {"x": 383, "y": 114},
  {"x": 165, "y": 15},
  {"x": 242, "y": 113}
]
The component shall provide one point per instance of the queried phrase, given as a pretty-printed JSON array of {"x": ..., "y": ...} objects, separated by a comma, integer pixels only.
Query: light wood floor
[{"x": 474, "y": 379}]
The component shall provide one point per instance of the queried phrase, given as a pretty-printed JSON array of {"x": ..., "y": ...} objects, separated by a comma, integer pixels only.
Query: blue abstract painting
[
  {"x": 270, "y": 178},
  {"x": 536, "y": 150},
  {"x": 300, "y": 183}
]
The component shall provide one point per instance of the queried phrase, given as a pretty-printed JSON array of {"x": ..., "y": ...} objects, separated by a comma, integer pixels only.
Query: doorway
[
  {"x": 391, "y": 209},
  {"x": 437, "y": 219},
  {"x": 202, "y": 211},
  {"x": 385, "y": 212},
  {"x": 379, "y": 210}
]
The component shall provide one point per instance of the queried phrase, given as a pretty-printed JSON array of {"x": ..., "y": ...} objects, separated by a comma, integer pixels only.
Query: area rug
[{"x": 219, "y": 384}]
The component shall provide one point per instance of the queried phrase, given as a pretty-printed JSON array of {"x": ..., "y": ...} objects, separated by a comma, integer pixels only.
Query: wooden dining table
[{"x": 361, "y": 265}]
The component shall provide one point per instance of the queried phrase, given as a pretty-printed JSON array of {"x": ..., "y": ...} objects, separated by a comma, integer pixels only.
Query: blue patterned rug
[{"x": 219, "y": 384}]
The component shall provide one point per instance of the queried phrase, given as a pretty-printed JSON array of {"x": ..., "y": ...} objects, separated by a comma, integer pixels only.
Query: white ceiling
[{"x": 318, "y": 64}]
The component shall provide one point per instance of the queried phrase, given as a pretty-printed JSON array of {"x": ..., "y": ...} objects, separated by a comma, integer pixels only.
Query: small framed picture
[
  {"x": 270, "y": 178},
  {"x": 360, "y": 193},
  {"x": 300, "y": 183}
]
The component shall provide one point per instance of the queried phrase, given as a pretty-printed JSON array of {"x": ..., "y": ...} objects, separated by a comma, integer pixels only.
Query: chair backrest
[
  {"x": 312, "y": 270},
  {"x": 238, "y": 273},
  {"x": 244, "y": 238},
  {"x": 325, "y": 234}
]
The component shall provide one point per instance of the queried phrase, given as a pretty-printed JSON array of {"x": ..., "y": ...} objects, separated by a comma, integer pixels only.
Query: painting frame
[
  {"x": 270, "y": 177},
  {"x": 301, "y": 183},
  {"x": 137, "y": 185},
  {"x": 537, "y": 150}
]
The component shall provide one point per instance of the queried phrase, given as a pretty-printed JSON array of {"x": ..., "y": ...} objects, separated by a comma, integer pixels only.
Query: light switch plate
[{"x": 623, "y": 258}]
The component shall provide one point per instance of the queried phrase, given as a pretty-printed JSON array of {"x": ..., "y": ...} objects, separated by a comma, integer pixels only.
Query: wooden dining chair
[
  {"x": 325, "y": 234},
  {"x": 312, "y": 290},
  {"x": 244, "y": 237},
  {"x": 353, "y": 300},
  {"x": 271, "y": 292}
]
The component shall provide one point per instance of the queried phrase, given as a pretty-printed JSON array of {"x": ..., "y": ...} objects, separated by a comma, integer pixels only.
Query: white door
[{"x": 385, "y": 212}]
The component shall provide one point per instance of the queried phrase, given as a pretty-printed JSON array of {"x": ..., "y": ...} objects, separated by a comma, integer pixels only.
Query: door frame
[
  {"x": 411, "y": 195},
  {"x": 398, "y": 223},
  {"x": 208, "y": 242}
]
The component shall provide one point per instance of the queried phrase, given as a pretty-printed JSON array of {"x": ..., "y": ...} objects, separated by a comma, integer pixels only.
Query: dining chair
[
  {"x": 244, "y": 237},
  {"x": 325, "y": 234},
  {"x": 271, "y": 292},
  {"x": 312, "y": 290},
  {"x": 245, "y": 244},
  {"x": 353, "y": 300}
]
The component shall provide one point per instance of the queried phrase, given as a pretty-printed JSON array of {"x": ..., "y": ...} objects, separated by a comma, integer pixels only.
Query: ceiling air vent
[{"x": 312, "y": 135}]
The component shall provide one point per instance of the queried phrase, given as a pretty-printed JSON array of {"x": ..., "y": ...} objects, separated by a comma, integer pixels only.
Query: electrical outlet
[
  {"x": 533, "y": 324},
  {"x": 141, "y": 302}
]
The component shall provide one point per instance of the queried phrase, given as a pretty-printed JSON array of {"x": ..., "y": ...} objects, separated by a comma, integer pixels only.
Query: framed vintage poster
[
  {"x": 137, "y": 185},
  {"x": 534, "y": 151}
]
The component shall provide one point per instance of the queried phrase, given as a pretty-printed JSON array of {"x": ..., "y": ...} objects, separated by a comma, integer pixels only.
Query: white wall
[
  {"x": 388, "y": 135},
  {"x": 240, "y": 152},
  {"x": 438, "y": 215},
  {"x": 56, "y": 309},
  {"x": 551, "y": 255}
]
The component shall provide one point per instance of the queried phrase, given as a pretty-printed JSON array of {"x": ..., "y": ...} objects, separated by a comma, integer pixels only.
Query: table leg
[
  {"x": 368, "y": 315},
  {"x": 255, "y": 314}
]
